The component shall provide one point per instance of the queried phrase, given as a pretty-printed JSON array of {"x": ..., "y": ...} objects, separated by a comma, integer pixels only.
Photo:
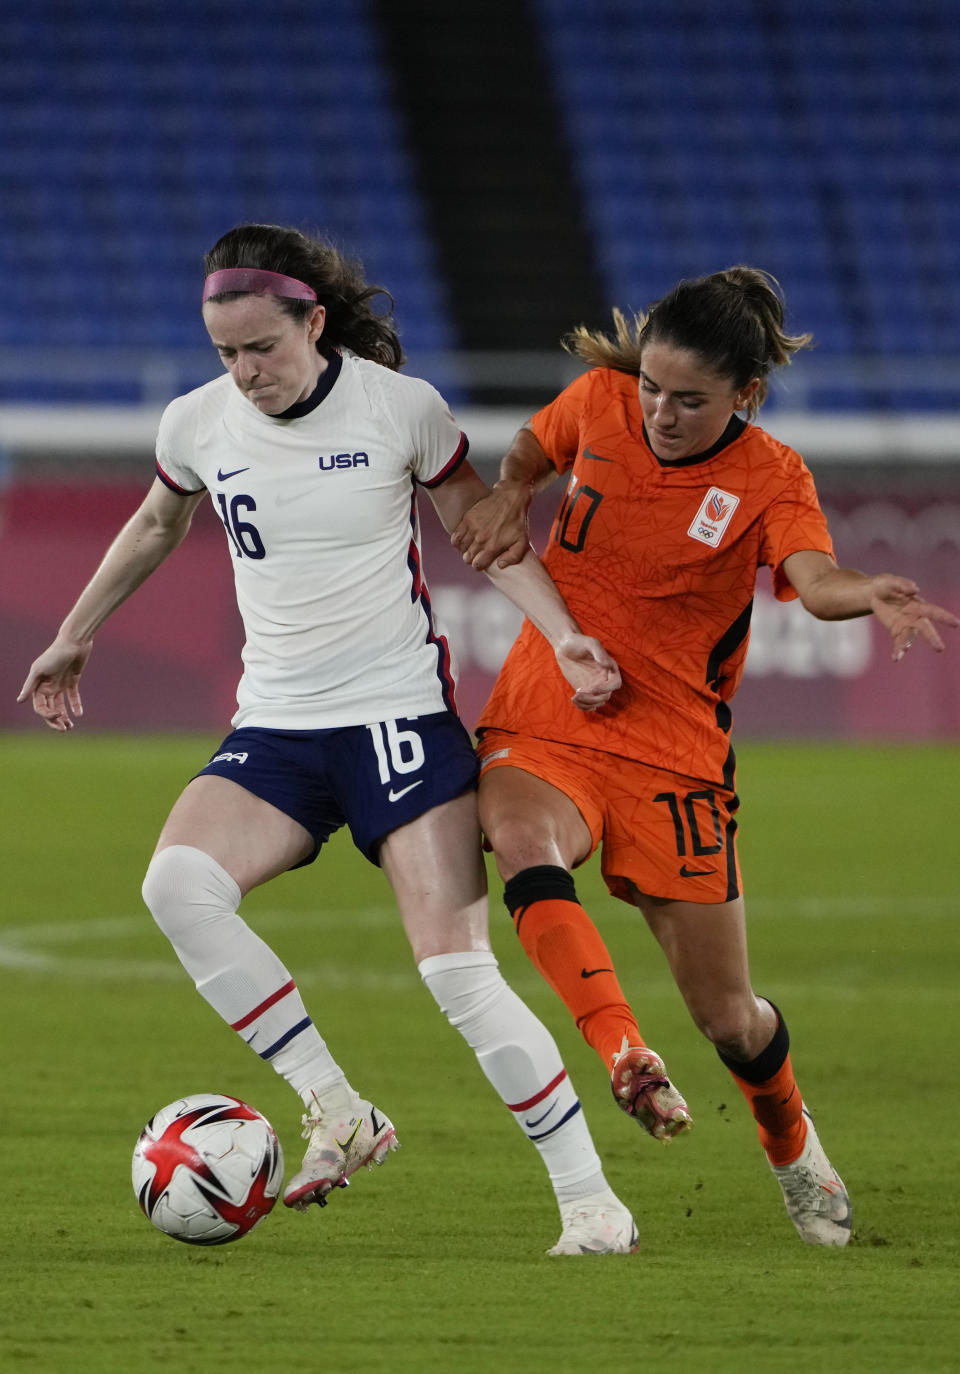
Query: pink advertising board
[{"x": 169, "y": 659}]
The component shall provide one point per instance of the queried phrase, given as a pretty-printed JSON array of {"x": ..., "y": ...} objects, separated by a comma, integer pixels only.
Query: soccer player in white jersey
[{"x": 311, "y": 451}]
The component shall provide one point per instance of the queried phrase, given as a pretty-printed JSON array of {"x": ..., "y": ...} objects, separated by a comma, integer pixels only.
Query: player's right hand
[
  {"x": 52, "y": 683},
  {"x": 589, "y": 669}
]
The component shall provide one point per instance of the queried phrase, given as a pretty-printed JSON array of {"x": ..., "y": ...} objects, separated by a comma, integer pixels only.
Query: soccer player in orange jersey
[{"x": 673, "y": 502}]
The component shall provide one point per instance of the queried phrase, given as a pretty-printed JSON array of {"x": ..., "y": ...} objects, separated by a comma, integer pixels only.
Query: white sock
[
  {"x": 520, "y": 1058},
  {"x": 194, "y": 902}
]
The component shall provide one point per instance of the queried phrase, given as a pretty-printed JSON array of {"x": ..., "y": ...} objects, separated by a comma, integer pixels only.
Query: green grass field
[{"x": 435, "y": 1262}]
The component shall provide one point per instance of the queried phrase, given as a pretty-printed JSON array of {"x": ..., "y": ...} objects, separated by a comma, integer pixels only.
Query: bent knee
[
  {"x": 732, "y": 1027},
  {"x": 521, "y": 841},
  {"x": 183, "y": 884}
]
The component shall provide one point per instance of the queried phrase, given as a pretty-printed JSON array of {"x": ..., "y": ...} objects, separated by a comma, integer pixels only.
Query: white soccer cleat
[
  {"x": 816, "y": 1200},
  {"x": 338, "y": 1147},
  {"x": 597, "y": 1225},
  {"x": 642, "y": 1089}
]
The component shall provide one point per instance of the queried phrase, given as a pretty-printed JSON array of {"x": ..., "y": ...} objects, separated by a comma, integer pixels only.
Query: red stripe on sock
[
  {"x": 531, "y": 1101},
  {"x": 264, "y": 1006}
]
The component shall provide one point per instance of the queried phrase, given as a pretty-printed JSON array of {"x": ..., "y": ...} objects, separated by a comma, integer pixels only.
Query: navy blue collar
[{"x": 319, "y": 393}]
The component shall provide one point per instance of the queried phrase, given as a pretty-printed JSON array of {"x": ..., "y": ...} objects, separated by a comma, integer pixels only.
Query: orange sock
[
  {"x": 564, "y": 944},
  {"x": 770, "y": 1088}
]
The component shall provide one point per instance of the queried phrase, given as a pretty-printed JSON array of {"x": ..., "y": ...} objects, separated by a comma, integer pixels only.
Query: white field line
[{"x": 48, "y": 947}]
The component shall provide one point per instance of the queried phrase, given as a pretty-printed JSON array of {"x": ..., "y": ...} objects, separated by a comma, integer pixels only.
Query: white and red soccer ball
[{"x": 207, "y": 1169}]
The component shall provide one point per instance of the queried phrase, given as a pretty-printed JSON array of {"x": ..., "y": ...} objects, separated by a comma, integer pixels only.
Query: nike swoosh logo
[
  {"x": 785, "y": 1100},
  {"x": 589, "y": 972},
  {"x": 588, "y": 453},
  {"x": 344, "y": 1145},
  {"x": 225, "y": 476},
  {"x": 395, "y": 796},
  {"x": 530, "y": 1124},
  {"x": 686, "y": 872}
]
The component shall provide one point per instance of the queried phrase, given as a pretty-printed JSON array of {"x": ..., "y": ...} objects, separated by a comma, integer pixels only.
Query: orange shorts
[{"x": 670, "y": 836}]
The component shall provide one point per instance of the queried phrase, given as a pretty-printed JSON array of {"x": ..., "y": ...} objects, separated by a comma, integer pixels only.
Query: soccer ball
[{"x": 207, "y": 1169}]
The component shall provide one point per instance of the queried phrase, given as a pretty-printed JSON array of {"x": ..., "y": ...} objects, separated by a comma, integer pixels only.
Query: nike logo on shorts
[
  {"x": 395, "y": 796},
  {"x": 686, "y": 872},
  {"x": 225, "y": 476}
]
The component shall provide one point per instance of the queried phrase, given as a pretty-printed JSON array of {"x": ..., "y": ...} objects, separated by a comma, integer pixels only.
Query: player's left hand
[
  {"x": 897, "y": 604},
  {"x": 495, "y": 528},
  {"x": 589, "y": 669}
]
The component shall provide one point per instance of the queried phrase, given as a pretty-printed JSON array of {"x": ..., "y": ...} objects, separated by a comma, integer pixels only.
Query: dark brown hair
[
  {"x": 339, "y": 281},
  {"x": 732, "y": 320}
]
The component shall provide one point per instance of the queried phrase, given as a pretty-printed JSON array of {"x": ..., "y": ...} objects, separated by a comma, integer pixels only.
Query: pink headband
[{"x": 256, "y": 282}]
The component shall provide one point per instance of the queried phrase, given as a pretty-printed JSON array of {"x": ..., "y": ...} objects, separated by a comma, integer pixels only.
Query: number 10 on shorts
[{"x": 397, "y": 751}]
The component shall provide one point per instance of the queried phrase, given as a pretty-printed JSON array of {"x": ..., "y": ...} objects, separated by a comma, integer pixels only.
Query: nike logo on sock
[
  {"x": 532, "y": 1124},
  {"x": 589, "y": 972}
]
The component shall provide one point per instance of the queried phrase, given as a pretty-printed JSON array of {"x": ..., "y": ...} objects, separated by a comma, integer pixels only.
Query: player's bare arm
[
  {"x": 496, "y": 527},
  {"x": 832, "y": 593},
  {"x": 149, "y": 536},
  {"x": 583, "y": 661}
]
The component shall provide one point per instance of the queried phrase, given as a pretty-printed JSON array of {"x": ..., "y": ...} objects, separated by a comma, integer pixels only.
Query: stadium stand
[
  {"x": 494, "y": 172},
  {"x": 133, "y": 139},
  {"x": 817, "y": 138}
]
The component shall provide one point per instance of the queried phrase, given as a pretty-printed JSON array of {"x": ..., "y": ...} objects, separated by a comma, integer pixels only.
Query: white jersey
[{"x": 321, "y": 523}]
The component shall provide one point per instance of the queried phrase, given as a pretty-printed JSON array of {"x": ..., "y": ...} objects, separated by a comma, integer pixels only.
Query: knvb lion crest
[{"x": 711, "y": 520}]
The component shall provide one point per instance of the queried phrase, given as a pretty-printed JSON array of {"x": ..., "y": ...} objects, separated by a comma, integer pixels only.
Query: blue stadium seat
[
  {"x": 132, "y": 142},
  {"x": 795, "y": 136}
]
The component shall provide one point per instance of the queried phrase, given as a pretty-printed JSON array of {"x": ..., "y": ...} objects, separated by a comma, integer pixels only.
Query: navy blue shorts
[{"x": 373, "y": 778}]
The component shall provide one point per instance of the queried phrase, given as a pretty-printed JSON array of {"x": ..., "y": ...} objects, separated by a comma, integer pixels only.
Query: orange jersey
[{"x": 658, "y": 561}]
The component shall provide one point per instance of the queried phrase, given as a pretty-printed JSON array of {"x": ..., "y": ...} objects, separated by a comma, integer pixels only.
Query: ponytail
[{"x": 734, "y": 321}]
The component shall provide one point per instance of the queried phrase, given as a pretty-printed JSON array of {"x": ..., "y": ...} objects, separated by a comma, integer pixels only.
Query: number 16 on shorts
[
  {"x": 399, "y": 752},
  {"x": 418, "y": 762}
]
